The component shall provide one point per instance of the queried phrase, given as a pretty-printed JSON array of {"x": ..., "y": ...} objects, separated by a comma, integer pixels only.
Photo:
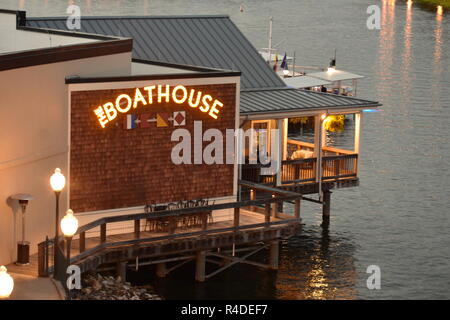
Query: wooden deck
[{"x": 219, "y": 222}]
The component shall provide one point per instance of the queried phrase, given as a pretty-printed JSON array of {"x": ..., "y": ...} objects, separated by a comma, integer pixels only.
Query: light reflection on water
[{"x": 398, "y": 217}]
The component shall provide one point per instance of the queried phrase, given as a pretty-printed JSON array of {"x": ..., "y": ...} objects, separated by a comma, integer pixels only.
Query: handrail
[
  {"x": 300, "y": 160},
  {"x": 174, "y": 236},
  {"x": 256, "y": 186},
  {"x": 105, "y": 242},
  {"x": 178, "y": 212},
  {"x": 325, "y": 148}
]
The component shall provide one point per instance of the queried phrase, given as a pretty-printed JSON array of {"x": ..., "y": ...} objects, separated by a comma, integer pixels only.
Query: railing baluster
[
  {"x": 267, "y": 213},
  {"x": 82, "y": 241},
  {"x": 204, "y": 220},
  {"x": 236, "y": 217},
  {"x": 137, "y": 228},
  {"x": 103, "y": 233}
]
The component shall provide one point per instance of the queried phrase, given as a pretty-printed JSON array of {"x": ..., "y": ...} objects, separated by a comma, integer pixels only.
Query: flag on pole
[
  {"x": 284, "y": 65},
  {"x": 275, "y": 66}
]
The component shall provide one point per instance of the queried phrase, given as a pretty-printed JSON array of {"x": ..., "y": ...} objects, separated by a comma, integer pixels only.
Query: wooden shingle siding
[{"x": 115, "y": 168}]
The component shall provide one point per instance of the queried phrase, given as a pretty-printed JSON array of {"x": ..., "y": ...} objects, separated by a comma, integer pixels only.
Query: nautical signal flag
[
  {"x": 284, "y": 65},
  {"x": 130, "y": 121},
  {"x": 162, "y": 119},
  {"x": 179, "y": 118}
]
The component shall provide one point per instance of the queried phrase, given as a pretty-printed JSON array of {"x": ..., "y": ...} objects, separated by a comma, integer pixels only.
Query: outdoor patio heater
[{"x": 23, "y": 246}]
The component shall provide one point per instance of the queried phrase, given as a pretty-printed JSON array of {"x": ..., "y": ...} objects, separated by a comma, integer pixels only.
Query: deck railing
[
  {"x": 337, "y": 164},
  {"x": 299, "y": 171},
  {"x": 339, "y": 167},
  {"x": 106, "y": 240}
]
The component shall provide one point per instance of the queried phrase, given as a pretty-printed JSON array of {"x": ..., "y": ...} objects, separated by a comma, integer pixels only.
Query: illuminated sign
[{"x": 158, "y": 94}]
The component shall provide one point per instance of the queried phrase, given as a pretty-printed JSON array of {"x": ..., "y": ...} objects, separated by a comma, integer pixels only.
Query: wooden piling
[
  {"x": 297, "y": 209},
  {"x": 326, "y": 206},
  {"x": 200, "y": 266},
  {"x": 274, "y": 251},
  {"x": 161, "y": 270},
  {"x": 121, "y": 270}
]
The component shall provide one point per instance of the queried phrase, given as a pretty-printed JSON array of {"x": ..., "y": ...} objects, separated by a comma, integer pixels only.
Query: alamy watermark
[
  {"x": 374, "y": 280},
  {"x": 229, "y": 148},
  {"x": 374, "y": 20},
  {"x": 74, "y": 19},
  {"x": 74, "y": 279}
]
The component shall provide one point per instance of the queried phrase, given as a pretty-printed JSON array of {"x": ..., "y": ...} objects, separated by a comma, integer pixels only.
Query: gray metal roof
[
  {"x": 288, "y": 99},
  {"x": 208, "y": 41}
]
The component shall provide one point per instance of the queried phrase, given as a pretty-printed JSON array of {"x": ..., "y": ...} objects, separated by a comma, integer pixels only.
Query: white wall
[
  {"x": 34, "y": 141},
  {"x": 18, "y": 40}
]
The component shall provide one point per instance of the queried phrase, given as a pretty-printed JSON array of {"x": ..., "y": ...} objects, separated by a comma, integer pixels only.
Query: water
[{"x": 398, "y": 217}]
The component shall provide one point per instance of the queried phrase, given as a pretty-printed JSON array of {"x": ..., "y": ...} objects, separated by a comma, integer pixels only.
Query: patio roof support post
[
  {"x": 358, "y": 118},
  {"x": 280, "y": 145},
  {"x": 318, "y": 146},
  {"x": 200, "y": 264},
  {"x": 285, "y": 137}
]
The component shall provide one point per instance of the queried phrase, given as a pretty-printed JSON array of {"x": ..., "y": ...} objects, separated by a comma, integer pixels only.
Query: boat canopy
[
  {"x": 305, "y": 82},
  {"x": 335, "y": 75},
  {"x": 280, "y": 57}
]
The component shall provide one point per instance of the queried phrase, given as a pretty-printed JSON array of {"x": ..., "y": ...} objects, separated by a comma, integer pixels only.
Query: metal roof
[
  {"x": 288, "y": 99},
  {"x": 208, "y": 41}
]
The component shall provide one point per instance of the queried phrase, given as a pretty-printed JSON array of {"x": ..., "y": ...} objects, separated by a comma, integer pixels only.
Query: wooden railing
[
  {"x": 294, "y": 144},
  {"x": 336, "y": 164},
  {"x": 339, "y": 167},
  {"x": 252, "y": 172},
  {"x": 104, "y": 242},
  {"x": 299, "y": 171}
]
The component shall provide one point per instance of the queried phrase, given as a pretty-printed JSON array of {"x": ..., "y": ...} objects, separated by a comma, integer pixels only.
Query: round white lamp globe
[
  {"x": 6, "y": 283},
  {"x": 57, "y": 180},
  {"x": 69, "y": 224}
]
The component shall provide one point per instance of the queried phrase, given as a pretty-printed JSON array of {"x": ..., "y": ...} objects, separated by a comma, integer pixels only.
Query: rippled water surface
[{"x": 398, "y": 217}]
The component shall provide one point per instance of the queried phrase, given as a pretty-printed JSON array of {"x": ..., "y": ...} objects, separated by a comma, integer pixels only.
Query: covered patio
[{"x": 309, "y": 158}]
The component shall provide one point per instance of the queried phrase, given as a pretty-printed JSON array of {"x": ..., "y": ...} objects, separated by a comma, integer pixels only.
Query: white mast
[{"x": 270, "y": 40}]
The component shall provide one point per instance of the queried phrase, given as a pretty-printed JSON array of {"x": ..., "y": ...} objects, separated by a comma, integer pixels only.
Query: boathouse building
[{"x": 103, "y": 103}]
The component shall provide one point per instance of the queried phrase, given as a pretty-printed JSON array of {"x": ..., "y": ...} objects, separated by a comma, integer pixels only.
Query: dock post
[
  {"x": 161, "y": 270},
  {"x": 121, "y": 270},
  {"x": 200, "y": 264},
  {"x": 280, "y": 206},
  {"x": 274, "y": 251},
  {"x": 252, "y": 197},
  {"x": 297, "y": 209},
  {"x": 274, "y": 208},
  {"x": 326, "y": 206}
]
